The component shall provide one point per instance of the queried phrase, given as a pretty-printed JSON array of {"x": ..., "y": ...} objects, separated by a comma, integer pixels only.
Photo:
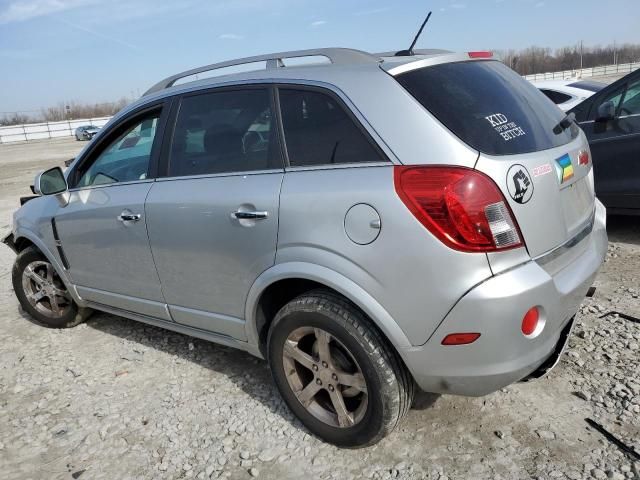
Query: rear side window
[
  {"x": 225, "y": 131},
  {"x": 318, "y": 131},
  {"x": 555, "y": 96},
  {"x": 488, "y": 106}
]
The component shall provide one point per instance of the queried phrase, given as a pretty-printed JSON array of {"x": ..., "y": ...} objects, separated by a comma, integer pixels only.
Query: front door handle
[
  {"x": 129, "y": 217},
  {"x": 250, "y": 215}
]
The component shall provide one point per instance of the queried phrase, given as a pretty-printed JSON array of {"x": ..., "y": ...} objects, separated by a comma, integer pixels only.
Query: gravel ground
[{"x": 116, "y": 399}]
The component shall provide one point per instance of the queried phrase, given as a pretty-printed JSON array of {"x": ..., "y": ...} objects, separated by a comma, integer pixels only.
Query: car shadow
[
  {"x": 623, "y": 229},
  {"x": 248, "y": 373}
]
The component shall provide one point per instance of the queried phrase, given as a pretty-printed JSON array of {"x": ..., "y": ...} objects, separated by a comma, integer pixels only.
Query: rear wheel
[
  {"x": 41, "y": 292},
  {"x": 336, "y": 372}
]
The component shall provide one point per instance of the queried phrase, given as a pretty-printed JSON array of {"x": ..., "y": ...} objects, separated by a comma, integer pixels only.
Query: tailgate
[{"x": 550, "y": 192}]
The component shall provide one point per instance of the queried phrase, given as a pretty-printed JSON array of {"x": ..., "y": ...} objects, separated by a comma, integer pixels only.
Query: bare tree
[
  {"x": 15, "y": 118},
  {"x": 541, "y": 60},
  {"x": 83, "y": 110}
]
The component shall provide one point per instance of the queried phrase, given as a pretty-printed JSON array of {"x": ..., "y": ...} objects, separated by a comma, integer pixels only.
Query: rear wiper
[{"x": 564, "y": 123}]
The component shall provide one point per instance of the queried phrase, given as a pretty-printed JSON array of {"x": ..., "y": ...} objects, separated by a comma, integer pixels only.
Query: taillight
[
  {"x": 462, "y": 207},
  {"x": 483, "y": 54}
]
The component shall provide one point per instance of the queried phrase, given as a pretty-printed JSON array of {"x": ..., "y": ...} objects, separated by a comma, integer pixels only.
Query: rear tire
[
  {"x": 41, "y": 292},
  {"x": 377, "y": 391}
]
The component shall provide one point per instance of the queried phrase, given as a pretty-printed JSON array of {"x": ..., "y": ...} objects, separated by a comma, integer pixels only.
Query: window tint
[
  {"x": 318, "y": 131},
  {"x": 555, "y": 96},
  {"x": 588, "y": 85},
  {"x": 488, "y": 106},
  {"x": 227, "y": 131},
  {"x": 631, "y": 102},
  {"x": 126, "y": 159}
]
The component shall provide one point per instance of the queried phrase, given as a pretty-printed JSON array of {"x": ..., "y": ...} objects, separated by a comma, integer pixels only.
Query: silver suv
[{"x": 368, "y": 224}]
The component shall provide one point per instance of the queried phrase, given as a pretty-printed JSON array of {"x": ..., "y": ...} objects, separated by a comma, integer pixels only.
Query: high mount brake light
[
  {"x": 463, "y": 208},
  {"x": 482, "y": 54}
]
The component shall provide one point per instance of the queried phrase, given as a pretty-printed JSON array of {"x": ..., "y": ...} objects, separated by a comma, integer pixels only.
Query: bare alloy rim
[
  {"x": 325, "y": 377},
  {"x": 44, "y": 289}
]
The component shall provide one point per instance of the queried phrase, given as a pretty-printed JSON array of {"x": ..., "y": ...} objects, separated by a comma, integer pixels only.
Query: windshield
[{"x": 488, "y": 106}]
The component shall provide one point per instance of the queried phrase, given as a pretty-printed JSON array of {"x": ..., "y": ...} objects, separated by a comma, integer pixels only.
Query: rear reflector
[
  {"x": 530, "y": 321},
  {"x": 482, "y": 54},
  {"x": 460, "y": 338},
  {"x": 463, "y": 208}
]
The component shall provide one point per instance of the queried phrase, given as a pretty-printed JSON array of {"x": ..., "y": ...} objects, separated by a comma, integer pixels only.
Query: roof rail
[{"x": 274, "y": 60}]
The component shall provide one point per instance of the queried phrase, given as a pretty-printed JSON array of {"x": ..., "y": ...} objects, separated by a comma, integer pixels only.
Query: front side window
[
  {"x": 614, "y": 98},
  {"x": 631, "y": 103},
  {"x": 318, "y": 131},
  {"x": 225, "y": 131},
  {"x": 125, "y": 159}
]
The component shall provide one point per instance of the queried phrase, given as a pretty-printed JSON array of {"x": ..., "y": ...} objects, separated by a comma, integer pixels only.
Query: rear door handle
[
  {"x": 250, "y": 215},
  {"x": 129, "y": 217}
]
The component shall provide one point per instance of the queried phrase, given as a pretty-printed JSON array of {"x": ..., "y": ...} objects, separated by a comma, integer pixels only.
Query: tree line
[
  {"x": 66, "y": 111},
  {"x": 542, "y": 60}
]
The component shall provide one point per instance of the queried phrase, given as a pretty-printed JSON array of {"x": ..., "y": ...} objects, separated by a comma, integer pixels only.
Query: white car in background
[{"x": 566, "y": 94}]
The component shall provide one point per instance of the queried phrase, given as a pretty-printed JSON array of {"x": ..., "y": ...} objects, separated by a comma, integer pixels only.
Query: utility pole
[
  {"x": 615, "y": 53},
  {"x": 581, "y": 55}
]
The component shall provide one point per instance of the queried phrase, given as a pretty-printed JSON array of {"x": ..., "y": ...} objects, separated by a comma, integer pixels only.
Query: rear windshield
[
  {"x": 588, "y": 85},
  {"x": 489, "y": 107}
]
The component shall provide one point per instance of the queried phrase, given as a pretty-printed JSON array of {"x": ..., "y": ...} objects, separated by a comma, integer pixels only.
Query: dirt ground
[{"x": 116, "y": 399}]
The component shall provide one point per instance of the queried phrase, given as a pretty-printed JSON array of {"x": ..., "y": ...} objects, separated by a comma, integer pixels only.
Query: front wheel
[
  {"x": 41, "y": 292},
  {"x": 336, "y": 371}
]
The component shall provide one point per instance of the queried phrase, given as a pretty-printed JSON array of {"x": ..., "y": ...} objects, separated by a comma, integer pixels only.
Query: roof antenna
[{"x": 409, "y": 52}]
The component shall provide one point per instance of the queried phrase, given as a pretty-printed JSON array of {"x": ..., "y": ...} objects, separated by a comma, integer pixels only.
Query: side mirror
[
  {"x": 606, "y": 112},
  {"x": 50, "y": 182}
]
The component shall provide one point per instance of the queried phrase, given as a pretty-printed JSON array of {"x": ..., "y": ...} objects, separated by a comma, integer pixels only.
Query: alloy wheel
[
  {"x": 44, "y": 289},
  {"x": 325, "y": 377}
]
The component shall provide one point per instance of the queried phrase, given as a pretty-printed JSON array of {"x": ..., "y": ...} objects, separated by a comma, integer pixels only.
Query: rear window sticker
[{"x": 507, "y": 130}]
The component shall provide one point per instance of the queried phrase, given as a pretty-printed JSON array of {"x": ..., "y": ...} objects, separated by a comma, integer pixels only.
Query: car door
[
  {"x": 213, "y": 219},
  {"x": 615, "y": 146},
  {"x": 102, "y": 230}
]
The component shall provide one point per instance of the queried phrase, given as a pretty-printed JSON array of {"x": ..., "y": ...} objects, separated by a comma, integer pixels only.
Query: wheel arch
[
  {"x": 298, "y": 277},
  {"x": 24, "y": 238}
]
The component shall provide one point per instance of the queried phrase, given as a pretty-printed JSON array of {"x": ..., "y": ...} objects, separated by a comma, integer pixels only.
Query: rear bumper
[{"x": 495, "y": 308}]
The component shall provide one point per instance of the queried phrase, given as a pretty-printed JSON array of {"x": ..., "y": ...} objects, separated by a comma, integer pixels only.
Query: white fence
[
  {"x": 35, "y": 131},
  {"x": 622, "y": 68}
]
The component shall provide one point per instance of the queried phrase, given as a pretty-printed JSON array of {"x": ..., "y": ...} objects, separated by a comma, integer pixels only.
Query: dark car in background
[
  {"x": 86, "y": 132},
  {"x": 611, "y": 121}
]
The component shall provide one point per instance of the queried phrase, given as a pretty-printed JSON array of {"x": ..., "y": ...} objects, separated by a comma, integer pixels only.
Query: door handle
[
  {"x": 129, "y": 217},
  {"x": 250, "y": 215}
]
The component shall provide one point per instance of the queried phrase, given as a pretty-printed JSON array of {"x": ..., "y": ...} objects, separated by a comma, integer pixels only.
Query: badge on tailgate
[{"x": 564, "y": 168}]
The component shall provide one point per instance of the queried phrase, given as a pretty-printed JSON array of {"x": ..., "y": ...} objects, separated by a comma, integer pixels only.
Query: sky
[{"x": 54, "y": 51}]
